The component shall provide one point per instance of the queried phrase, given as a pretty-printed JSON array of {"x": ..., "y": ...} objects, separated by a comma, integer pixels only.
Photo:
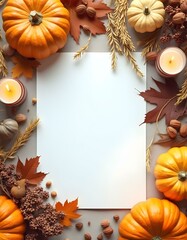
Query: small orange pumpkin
[
  {"x": 154, "y": 219},
  {"x": 36, "y": 28},
  {"x": 12, "y": 225},
  {"x": 171, "y": 173}
]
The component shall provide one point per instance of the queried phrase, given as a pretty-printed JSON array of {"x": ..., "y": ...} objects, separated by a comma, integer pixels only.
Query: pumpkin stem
[
  {"x": 146, "y": 11},
  {"x": 156, "y": 238},
  {"x": 182, "y": 176},
  {"x": 35, "y": 17}
]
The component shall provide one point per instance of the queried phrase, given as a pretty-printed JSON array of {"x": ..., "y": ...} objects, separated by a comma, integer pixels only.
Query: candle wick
[
  {"x": 8, "y": 88},
  {"x": 171, "y": 60}
]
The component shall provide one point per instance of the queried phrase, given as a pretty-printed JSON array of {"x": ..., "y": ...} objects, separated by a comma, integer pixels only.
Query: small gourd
[
  {"x": 12, "y": 226},
  {"x": 171, "y": 173},
  {"x": 146, "y": 15},
  {"x": 8, "y": 128},
  {"x": 154, "y": 219}
]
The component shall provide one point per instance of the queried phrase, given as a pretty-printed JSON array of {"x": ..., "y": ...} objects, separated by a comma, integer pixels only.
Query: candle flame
[
  {"x": 171, "y": 60},
  {"x": 7, "y": 88}
]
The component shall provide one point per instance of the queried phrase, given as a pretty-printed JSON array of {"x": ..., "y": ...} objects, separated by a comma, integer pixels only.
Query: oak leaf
[
  {"x": 69, "y": 210},
  {"x": 164, "y": 100},
  {"x": 29, "y": 170},
  {"x": 23, "y": 66},
  {"x": 95, "y": 25}
]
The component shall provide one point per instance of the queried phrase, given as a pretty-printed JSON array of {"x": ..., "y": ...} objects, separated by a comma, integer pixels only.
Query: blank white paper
[{"x": 89, "y": 137}]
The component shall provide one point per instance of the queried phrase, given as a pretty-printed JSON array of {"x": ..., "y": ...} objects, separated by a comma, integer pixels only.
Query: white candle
[
  {"x": 12, "y": 92},
  {"x": 171, "y": 62}
]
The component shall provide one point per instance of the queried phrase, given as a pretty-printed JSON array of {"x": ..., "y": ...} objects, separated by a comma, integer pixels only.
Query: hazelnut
[
  {"x": 53, "y": 194},
  {"x": 179, "y": 18},
  {"x": 48, "y": 184},
  {"x": 105, "y": 223},
  {"x": 172, "y": 132},
  {"x": 108, "y": 232},
  {"x": 175, "y": 124},
  {"x": 34, "y": 101},
  {"x": 100, "y": 236},
  {"x": 151, "y": 56},
  {"x": 20, "y": 118},
  {"x": 87, "y": 236},
  {"x": 183, "y": 130}
]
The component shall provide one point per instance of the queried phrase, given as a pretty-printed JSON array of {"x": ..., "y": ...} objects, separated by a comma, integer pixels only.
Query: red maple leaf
[
  {"x": 95, "y": 25},
  {"x": 165, "y": 100},
  {"x": 69, "y": 210},
  {"x": 29, "y": 170}
]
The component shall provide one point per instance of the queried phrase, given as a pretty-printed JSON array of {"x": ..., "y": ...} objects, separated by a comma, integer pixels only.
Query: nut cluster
[
  {"x": 84, "y": 10},
  {"x": 176, "y": 127},
  {"x": 176, "y": 22}
]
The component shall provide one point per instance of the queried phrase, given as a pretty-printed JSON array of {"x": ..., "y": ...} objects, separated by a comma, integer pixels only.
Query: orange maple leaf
[
  {"x": 23, "y": 66},
  {"x": 29, "y": 170},
  {"x": 95, "y": 25},
  {"x": 69, "y": 210}
]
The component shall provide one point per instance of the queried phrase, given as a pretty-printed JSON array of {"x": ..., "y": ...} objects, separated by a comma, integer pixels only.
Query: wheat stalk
[
  {"x": 80, "y": 52},
  {"x": 182, "y": 95},
  {"x": 21, "y": 140},
  {"x": 118, "y": 37}
]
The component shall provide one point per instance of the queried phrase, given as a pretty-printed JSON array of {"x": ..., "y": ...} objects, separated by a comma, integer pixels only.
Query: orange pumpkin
[
  {"x": 154, "y": 219},
  {"x": 12, "y": 225},
  {"x": 171, "y": 173},
  {"x": 36, "y": 28}
]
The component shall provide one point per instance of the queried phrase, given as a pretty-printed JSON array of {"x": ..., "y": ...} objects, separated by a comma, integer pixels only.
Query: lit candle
[
  {"x": 170, "y": 62},
  {"x": 12, "y": 92}
]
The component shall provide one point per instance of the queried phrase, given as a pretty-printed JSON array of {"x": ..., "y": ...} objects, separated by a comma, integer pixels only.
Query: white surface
[{"x": 89, "y": 137}]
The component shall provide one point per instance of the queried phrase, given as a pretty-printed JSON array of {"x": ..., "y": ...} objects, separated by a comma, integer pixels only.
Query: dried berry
[
  {"x": 116, "y": 218},
  {"x": 79, "y": 226},
  {"x": 87, "y": 236}
]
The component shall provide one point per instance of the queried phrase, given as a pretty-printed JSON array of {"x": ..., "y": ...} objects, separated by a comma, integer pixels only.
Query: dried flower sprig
[
  {"x": 118, "y": 37},
  {"x": 20, "y": 141}
]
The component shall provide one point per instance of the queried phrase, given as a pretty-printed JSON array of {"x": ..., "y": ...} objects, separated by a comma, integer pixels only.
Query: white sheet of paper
[{"x": 89, "y": 137}]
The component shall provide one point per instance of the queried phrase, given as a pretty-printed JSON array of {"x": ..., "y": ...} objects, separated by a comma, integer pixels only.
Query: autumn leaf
[
  {"x": 95, "y": 25},
  {"x": 69, "y": 209},
  {"x": 29, "y": 170},
  {"x": 23, "y": 66},
  {"x": 165, "y": 140},
  {"x": 164, "y": 100}
]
